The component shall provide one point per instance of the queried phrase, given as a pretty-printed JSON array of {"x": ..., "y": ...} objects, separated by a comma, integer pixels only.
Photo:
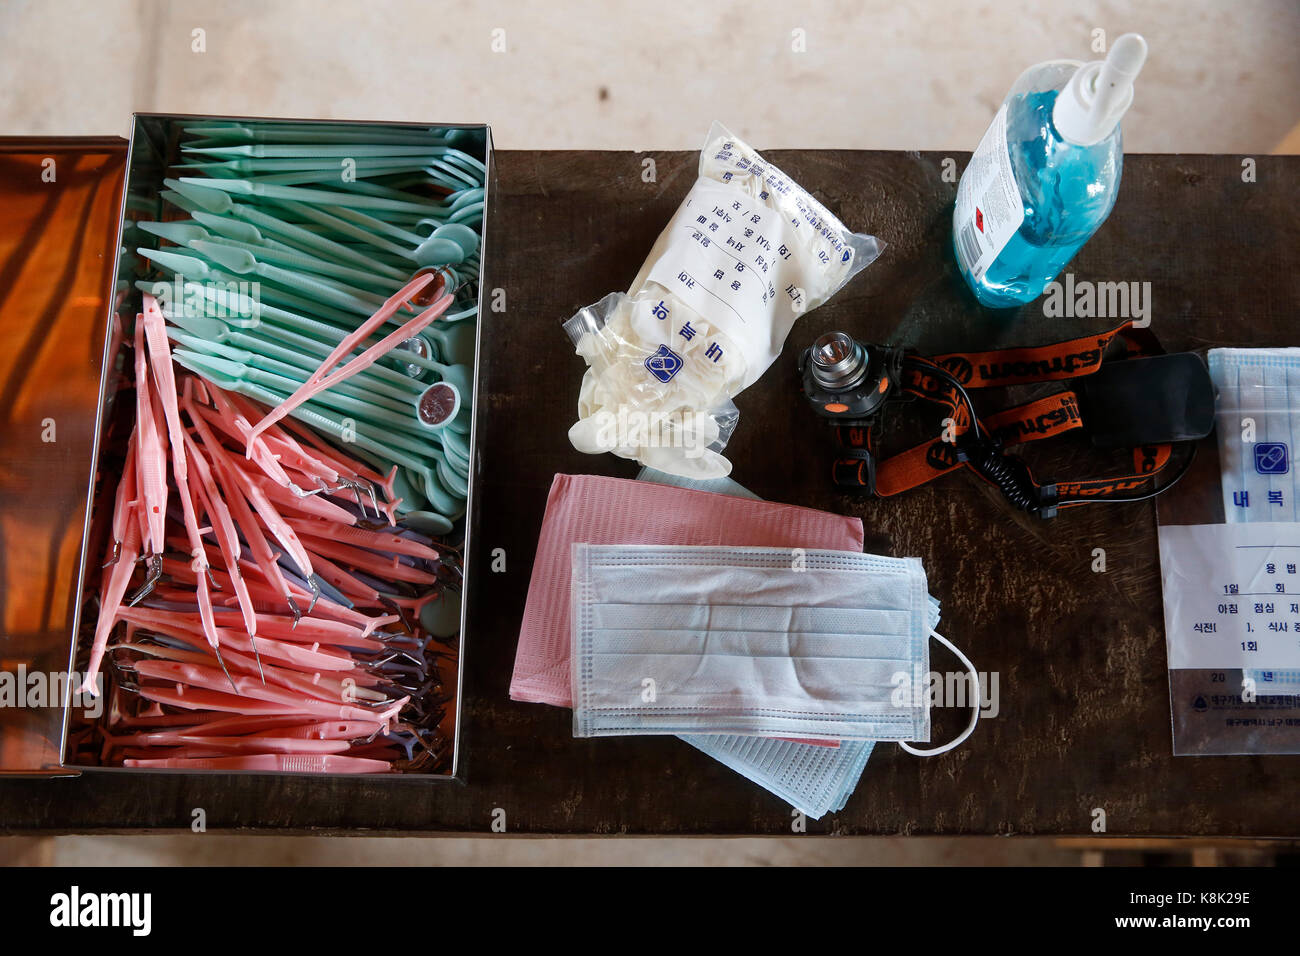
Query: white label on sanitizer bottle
[{"x": 989, "y": 211}]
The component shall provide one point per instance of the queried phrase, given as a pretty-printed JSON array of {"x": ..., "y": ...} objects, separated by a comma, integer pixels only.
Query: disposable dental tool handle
[
  {"x": 323, "y": 378},
  {"x": 267, "y": 191}
]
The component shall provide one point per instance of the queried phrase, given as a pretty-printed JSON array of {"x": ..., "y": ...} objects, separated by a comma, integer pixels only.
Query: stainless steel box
[{"x": 59, "y": 196}]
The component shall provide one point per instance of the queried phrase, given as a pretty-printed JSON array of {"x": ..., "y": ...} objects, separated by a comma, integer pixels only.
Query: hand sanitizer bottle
[{"x": 1045, "y": 175}]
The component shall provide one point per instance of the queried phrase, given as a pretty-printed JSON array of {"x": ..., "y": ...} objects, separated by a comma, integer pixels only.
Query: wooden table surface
[{"x": 1084, "y": 718}]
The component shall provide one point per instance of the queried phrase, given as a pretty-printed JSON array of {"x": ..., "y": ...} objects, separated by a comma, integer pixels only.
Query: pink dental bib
[{"x": 590, "y": 509}]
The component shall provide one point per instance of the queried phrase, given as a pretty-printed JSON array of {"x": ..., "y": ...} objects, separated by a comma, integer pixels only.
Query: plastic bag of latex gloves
[{"x": 747, "y": 252}]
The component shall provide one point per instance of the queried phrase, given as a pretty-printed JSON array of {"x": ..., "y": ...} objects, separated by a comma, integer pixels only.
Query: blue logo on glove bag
[
  {"x": 1271, "y": 458},
  {"x": 664, "y": 364}
]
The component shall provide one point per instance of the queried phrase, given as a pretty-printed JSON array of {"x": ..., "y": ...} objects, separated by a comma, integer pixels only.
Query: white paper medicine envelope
[{"x": 759, "y": 641}]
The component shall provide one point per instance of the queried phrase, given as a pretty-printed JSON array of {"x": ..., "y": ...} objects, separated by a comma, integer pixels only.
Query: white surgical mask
[
  {"x": 1258, "y": 422},
  {"x": 812, "y": 644},
  {"x": 815, "y": 780},
  {"x": 1257, "y": 417},
  {"x": 1273, "y": 683}
]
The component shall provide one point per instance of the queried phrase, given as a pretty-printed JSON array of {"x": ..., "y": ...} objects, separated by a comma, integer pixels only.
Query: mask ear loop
[{"x": 975, "y": 711}]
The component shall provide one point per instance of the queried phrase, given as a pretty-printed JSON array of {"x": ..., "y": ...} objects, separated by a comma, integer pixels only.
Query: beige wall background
[{"x": 1223, "y": 75}]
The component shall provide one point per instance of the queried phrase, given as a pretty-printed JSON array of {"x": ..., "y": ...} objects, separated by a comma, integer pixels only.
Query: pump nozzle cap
[
  {"x": 1100, "y": 93},
  {"x": 1127, "y": 56}
]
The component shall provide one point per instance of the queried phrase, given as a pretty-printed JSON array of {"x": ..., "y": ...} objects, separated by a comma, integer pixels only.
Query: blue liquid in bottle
[
  {"x": 1065, "y": 153},
  {"x": 1067, "y": 192}
]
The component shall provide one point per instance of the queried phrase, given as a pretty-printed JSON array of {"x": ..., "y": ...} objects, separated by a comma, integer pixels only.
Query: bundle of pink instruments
[{"x": 260, "y": 599}]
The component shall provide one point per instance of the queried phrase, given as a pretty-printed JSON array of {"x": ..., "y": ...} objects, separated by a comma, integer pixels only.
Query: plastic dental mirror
[{"x": 441, "y": 618}]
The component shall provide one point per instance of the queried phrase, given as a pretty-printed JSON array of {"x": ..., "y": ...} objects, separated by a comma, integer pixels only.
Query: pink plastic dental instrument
[
  {"x": 314, "y": 505},
  {"x": 157, "y": 752},
  {"x": 122, "y": 508},
  {"x": 240, "y": 509},
  {"x": 162, "y": 401},
  {"x": 223, "y": 416},
  {"x": 223, "y": 527},
  {"x": 334, "y": 456},
  {"x": 349, "y": 586},
  {"x": 235, "y": 745},
  {"x": 342, "y": 462},
  {"x": 293, "y": 456},
  {"x": 326, "y": 730},
  {"x": 164, "y": 377},
  {"x": 272, "y": 763},
  {"x": 116, "y": 579},
  {"x": 310, "y": 630},
  {"x": 193, "y": 683},
  {"x": 190, "y": 520},
  {"x": 177, "y": 695},
  {"x": 264, "y": 601},
  {"x": 274, "y": 522},
  {"x": 151, "y": 463},
  {"x": 323, "y": 378},
  {"x": 237, "y": 726},
  {"x": 368, "y": 561},
  {"x": 310, "y": 684},
  {"x": 373, "y": 540},
  {"x": 149, "y": 714},
  {"x": 177, "y": 626},
  {"x": 324, "y": 469}
]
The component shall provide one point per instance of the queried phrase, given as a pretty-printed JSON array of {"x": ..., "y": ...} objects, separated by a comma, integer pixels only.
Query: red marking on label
[{"x": 979, "y": 219}]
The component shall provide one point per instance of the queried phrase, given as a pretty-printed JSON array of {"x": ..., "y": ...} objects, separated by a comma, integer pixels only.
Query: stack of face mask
[
  {"x": 1258, "y": 424},
  {"x": 757, "y": 632},
  {"x": 768, "y": 642}
]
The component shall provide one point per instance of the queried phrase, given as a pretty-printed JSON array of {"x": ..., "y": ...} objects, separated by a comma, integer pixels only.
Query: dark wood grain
[{"x": 1084, "y": 706}]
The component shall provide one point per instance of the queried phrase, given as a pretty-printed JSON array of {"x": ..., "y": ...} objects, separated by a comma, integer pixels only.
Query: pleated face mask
[
  {"x": 1259, "y": 390},
  {"x": 777, "y": 642},
  {"x": 598, "y": 510}
]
